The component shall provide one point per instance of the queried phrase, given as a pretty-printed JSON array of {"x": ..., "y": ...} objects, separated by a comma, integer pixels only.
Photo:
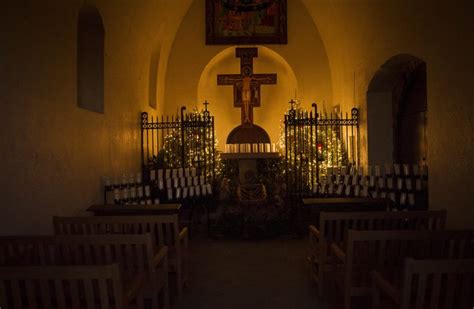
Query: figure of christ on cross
[{"x": 246, "y": 84}]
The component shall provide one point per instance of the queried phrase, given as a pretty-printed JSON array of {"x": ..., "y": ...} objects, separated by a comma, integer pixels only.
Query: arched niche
[
  {"x": 396, "y": 112},
  {"x": 90, "y": 59},
  {"x": 273, "y": 97}
]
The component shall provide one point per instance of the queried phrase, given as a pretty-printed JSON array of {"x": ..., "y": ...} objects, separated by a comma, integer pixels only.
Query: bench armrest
[
  {"x": 314, "y": 232},
  {"x": 338, "y": 252},
  {"x": 132, "y": 288},
  {"x": 386, "y": 287},
  {"x": 160, "y": 256},
  {"x": 183, "y": 234}
]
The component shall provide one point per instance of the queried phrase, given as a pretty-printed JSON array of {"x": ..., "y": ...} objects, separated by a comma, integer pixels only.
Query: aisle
[{"x": 244, "y": 274}]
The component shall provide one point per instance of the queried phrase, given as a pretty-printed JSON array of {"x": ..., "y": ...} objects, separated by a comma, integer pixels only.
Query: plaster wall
[
  {"x": 302, "y": 67},
  {"x": 53, "y": 153},
  {"x": 360, "y": 36}
]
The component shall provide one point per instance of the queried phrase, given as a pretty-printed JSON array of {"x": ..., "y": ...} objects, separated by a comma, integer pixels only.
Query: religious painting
[{"x": 246, "y": 22}]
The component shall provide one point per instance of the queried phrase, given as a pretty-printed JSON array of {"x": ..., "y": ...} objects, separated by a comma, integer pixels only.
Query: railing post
[
  {"x": 183, "y": 144},
  {"x": 316, "y": 116}
]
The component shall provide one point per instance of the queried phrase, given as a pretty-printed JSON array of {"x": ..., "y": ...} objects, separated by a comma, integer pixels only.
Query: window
[{"x": 90, "y": 60}]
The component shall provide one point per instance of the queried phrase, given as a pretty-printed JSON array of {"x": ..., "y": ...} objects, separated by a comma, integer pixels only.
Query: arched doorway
[{"x": 397, "y": 112}]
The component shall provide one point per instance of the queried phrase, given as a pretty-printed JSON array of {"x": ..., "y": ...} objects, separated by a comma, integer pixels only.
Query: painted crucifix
[{"x": 246, "y": 84}]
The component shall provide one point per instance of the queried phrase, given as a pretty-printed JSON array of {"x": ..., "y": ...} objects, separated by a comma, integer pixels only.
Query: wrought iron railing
[
  {"x": 184, "y": 141},
  {"x": 316, "y": 143}
]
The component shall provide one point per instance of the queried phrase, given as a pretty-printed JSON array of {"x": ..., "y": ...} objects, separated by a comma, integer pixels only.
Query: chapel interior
[{"x": 367, "y": 104}]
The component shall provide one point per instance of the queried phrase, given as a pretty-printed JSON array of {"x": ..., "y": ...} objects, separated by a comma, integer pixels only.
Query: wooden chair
[
  {"x": 333, "y": 227},
  {"x": 366, "y": 251},
  {"x": 164, "y": 228},
  {"x": 140, "y": 265},
  {"x": 64, "y": 287},
  {"x": 428, "y": 284}
]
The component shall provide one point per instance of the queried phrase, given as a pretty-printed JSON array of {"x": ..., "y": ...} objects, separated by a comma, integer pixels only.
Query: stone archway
[{"x": 396, "y": 112}]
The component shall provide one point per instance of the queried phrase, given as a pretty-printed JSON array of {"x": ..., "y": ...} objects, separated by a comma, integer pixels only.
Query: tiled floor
[{"x": 244, "y": 274}]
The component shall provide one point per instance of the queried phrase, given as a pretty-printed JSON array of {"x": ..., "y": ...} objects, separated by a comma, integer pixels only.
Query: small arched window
[{"x": 90, "y": 60}]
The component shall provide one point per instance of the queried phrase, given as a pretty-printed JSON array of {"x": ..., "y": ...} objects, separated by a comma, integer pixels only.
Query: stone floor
[{"x": 244, "y": 274}]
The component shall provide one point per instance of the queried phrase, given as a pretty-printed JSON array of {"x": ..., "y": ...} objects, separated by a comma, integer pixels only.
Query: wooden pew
[
  {"x": 164, "y": 229},
  {"x": 422, "y": 282},
  {"x": 64, "y": 287},
  {"x": 140, "y": 265},
  {"x": 365, "y": 251},
  {"x": 333, "y": 227}
]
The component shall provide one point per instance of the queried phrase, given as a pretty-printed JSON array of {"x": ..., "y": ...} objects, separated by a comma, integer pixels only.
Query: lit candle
[
  {"x": 168, "y": 173},
  {"x": 396, "y": 168},
  {"x": 392, "y": 197},
  {"x": 186, "y": 172},
  {"x": 416, "y": 169},
  {"x": 399, "y": 183},
  {"x": 152, "y": 175},
  {"x": 209, "y": 188},
  {"x": 411, "y": 199},
  {"x": 190, "y": 181},
  {"x": 406, "y": 169},
  {"x": 170, "y": 194},
  {"x": 178, "y": 193},
  {"x": 185, "y": 192},
  {"x": 182, "y": 182},
  {"x": 139, "y": 177},
  {"x": 403, "y": 198},
  {"x": 357, "y": 191},
  {"x": 180, "y": 172},
  {"x": 140, "y": 191},
  {"x": 193, "y": 171},
  {"x": 348, "y": 190},
  {"x": 201, "y": 180},
  {"x": 191, "y": 191},
  {"x": 160, "y": 174},
  {"x": 157, "y": 201},
  {"x": 174, "y": 173},
  {"x": 147, "y": 190},
  {"x": 390, "y": 183},
  {"x": 198, "y": 190},
  {"x": 195, "y": 181},
  {"x": 377, "y": 171}
]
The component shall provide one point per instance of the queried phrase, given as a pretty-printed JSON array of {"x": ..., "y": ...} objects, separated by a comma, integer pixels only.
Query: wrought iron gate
[
  {"x": 316, "y": 144},
  {"x": 183, "y": 141}
]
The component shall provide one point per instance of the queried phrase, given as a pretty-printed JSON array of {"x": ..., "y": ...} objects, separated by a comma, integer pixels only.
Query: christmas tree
[
  {"x": 309, "y": 150},
  {"x": 200, "y": 149}
]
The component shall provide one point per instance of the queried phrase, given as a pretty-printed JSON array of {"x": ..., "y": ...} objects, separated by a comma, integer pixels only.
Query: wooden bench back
[
  {"x": 438, "y": 284},
  {"x": 334, "y": 225},
  {"x": 61, "y": 287},
  {"x": 134, "y": 253},
  {"x": 386, "y": 250},
  {"x": 164, "y": 228}
]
